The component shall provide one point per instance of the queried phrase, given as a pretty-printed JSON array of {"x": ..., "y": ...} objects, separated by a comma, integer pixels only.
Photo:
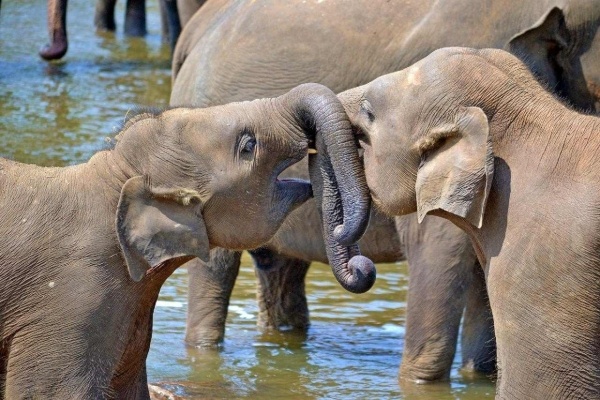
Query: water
[{"x": 60, "y": 114}]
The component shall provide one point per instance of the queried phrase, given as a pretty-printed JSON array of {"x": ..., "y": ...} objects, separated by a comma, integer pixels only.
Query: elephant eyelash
[
  {"x": 246, "y": 143},
  {"x": 365, "y": 107}
]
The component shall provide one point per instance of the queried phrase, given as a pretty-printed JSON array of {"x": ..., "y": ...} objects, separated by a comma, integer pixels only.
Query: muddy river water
[{"x": 61, "y": 113}]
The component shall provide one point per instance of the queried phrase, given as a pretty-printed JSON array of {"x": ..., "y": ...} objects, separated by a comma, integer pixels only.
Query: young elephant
[
  {"x": 470, "y": 136},
  {"x": 85, "y": 249}
]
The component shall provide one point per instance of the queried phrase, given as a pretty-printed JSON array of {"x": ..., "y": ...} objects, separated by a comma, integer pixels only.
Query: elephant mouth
[
  {"x": 296, "y": 191},
  {"x": 293, "y": 191}
]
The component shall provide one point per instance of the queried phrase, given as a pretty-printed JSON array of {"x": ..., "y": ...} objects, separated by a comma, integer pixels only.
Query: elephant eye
[
  {"x": 249, "y": 146},
  {"x": 366, "y": 108},
  {"x": 247, "y": 143}
]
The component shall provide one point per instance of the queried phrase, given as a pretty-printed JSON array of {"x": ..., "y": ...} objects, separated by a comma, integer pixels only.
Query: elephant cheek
[
  {"x": 392, "y": 186},
  {"x": 376, "y": 176}
]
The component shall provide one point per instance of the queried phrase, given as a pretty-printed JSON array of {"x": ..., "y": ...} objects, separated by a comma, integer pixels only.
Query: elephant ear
[
  {"x": 456, "y": 170},
  {"x": 157, "y": 224},
  {"x": 540, "y": 46}
]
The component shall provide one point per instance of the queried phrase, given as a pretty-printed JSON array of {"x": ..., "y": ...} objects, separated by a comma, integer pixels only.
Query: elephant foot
[
  {"x": 421, "y": 376},
  {"x": 204, "y": 339},
  {"x": 428, "y": 361}
]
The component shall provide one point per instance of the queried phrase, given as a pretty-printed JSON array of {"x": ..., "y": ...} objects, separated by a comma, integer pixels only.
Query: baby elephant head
[
  {"x": 424, "y": 150},
  {"x": 209, "y": 177}
]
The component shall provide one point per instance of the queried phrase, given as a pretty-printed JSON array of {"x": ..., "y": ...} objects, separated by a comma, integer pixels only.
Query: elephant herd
[
  {"x": 174, "y": 14},
  {"x": 469, "y": 125}
]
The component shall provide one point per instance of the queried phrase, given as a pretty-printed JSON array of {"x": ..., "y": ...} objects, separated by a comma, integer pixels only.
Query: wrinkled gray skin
[
  {"x": 222, "y": 56},
  {"x": 85, "y": 249},
  {"x": 104, "y": 20},
  {"x": 469, "y": 135}
]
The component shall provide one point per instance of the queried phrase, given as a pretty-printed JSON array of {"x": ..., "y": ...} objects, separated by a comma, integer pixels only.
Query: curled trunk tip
[{"x": 360, "y": 275}]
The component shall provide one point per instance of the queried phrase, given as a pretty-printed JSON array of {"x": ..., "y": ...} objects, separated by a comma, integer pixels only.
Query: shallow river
[{"x": 61, "y": 113}]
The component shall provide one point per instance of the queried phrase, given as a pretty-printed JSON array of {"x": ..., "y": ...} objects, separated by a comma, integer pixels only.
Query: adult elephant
[
  {"x": 235, "y": 50},
  {"x": 104, "y": 20},
  {"x": 85, "y": 249},
  {"x": 470, "y": 136}
]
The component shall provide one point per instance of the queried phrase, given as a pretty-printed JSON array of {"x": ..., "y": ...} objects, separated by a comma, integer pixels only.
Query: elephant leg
[
  {"x": 42, "y": 365},
  {"x": 210, "y": 286},
  {"x": 441, "y": 259},
  {"x": 478, "y": 341},
  {"x": 57, "y": 29},
  {"x": 171, "y": 26},
  {"x": 164, "y": 21},
  {"x": 138, "y": 389},
  {"x": 281, "y": 295},
  {"x": 104, "y": 17},
  {"x": 135, "y": 18},
  {"x": 187, "y": 8}
]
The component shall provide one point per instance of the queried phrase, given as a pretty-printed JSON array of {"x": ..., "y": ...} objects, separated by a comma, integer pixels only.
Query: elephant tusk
[{"x": 312, "y": 151}]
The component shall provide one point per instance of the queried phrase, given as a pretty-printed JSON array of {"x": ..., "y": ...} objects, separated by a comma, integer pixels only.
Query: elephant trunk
[
  {"x": 354, "y": 272},
  {"x": 57, "y": 29},
  {"x": 339, "y": 183}
]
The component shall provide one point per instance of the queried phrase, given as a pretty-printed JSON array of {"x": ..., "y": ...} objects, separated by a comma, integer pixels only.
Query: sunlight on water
[
  {"x": 61, "y": 113},
  {"x": 351, "y": 351}
]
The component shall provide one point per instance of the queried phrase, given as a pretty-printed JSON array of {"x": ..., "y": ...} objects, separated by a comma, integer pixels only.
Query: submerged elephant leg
[
  {"x": 170, "y": 24},
  {"x": 281, "y": 295},
  {"x": 478, "y": 341},
  {"x": 104, "y": 17},
  {"x": 135, "y": 18},
  {"x": 209, "y": 289},
  {"x": 441, "y": 259}
]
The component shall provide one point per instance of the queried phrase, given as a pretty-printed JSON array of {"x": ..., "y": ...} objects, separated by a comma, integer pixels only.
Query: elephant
[
  {"x": 221, "y": 56},
  {"x": 104, "y": 20},
  {"x": 470, "y": 136},
  {"x": 85, "y": 248}
]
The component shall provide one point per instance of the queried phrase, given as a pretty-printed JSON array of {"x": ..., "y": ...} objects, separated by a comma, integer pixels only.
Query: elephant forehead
[{"x": 413, "y": 76}]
